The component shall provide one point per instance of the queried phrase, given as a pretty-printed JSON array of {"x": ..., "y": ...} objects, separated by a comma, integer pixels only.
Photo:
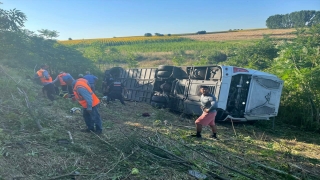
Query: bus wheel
[
  {"x": 158, "y": 105},
  {"x": 165, "y": 68},
  {"x": 164, "y": 74},
  {"x": 160, "y": 99}
]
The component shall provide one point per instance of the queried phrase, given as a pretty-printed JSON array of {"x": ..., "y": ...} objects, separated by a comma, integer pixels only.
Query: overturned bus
[{"x": 242, "y": 94}]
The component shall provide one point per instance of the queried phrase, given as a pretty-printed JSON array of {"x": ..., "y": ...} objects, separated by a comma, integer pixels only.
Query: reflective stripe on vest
[
  {"x": 117, "y": 87},
  {"x": 79, "y": 98},
  {"x": 60, "y": 76},
  {"x": 42, "y": 78}
]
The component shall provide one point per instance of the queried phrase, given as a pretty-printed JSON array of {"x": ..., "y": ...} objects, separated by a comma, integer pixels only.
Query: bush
[
  {"x": 217, "y": 57},
  {"x": 147, "y": 34},
  {"x": 69, "y": 39},
  {"x": 201, "y": 32},
  {"x": 158, "y": 34},
  {"x": 169, "y": 34}
]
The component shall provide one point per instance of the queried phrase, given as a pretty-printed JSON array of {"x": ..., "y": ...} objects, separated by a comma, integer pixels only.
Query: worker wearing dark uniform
[
  {"x": 107, "y": 81},
  {"x": 115, "y": 91}
]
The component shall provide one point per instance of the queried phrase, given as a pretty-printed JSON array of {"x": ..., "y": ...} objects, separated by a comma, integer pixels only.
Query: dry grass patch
[{"x": 244, "y": 35}]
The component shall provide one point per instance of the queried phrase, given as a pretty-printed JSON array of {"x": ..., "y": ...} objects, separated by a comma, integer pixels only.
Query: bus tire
[
  {"x": 160, "y": 99},
  {"x": 164, "y": 74},
  {"x": 157, "y": 105},
  {"x": 176, "y": 73},
  {"x": 165, "y": 68}
]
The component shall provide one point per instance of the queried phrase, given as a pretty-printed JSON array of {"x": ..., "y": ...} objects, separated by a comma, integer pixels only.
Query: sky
[{"x": 88, "y": 19}]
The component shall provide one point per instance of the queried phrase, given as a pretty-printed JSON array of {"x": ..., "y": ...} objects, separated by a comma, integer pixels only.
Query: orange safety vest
[
  {"x": 82, "y": 79},
  {"x": 60, "y": 76},
  {"x": 42, "y": 78},
  {"x": 79, "y": 98}
]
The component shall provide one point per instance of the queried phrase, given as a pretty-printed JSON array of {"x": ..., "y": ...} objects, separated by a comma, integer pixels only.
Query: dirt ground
[{"x": 244, "y": 35}]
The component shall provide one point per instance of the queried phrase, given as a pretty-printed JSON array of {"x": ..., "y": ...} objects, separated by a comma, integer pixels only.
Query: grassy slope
[{"x": 157, "y": 146}]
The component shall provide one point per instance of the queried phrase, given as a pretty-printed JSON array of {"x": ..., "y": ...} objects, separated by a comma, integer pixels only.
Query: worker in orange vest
[
  {"x": 89, "y": 101},
  {"x": 64, "y": 87},
  {"x": 46, "y": 81}
]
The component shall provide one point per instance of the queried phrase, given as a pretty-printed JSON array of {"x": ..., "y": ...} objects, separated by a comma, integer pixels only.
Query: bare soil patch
[{"x": 244, "y": 35}]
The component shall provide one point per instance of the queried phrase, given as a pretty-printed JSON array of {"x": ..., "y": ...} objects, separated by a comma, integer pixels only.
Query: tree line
[{"x": 305, "y": 18}]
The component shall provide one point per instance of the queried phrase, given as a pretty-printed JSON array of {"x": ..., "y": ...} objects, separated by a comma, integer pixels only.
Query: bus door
[{"x": 263, "y": 97}]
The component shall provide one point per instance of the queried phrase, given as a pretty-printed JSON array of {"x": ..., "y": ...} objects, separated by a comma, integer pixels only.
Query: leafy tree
[
  {"x": 147, "y": 34},
  {"x": 258, "y": 56},
  {"x": 275, "y": 22},
  {"x": 158, "y": 34},
  {"x": 298, "y": 65},
  {"x": 48, "y": 33},
  {"x": 294, "y": 19},
  {"x": 12, "y": 20},
  {"x": 201, "y": 32}
]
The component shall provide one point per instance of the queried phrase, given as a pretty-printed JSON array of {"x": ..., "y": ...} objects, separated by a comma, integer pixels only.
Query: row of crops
[
  {"x": 184, "y": 46},
  {"x": 123, "y": 41}
]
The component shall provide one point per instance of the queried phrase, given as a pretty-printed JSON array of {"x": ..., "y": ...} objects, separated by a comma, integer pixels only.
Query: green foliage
[
  {"x": 48, "y": 33},
  {"x": 201, "y": 32},
  {"x": 200, "y": 59},
  {"x": 179, "y": 58},
  {"x": 148, "y": 34},
  {"x": 132, "y": 61},
  {"x": 298, "y": 65},
  {"x": 258, "y": 56},
  {"x": 294, "y": 19},
  {"x": 216, "y": 57},
  {"x": 158, "y": 34},
  {"x": 24, "y": 49},
  {"x": 12, "y": 20}
]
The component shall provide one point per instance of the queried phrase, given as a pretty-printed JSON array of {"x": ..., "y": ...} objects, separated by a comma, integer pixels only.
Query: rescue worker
[
  {"x": 64, "y": 87},
  {"x": 115, "y": 91},
  {"x": 80, "y": 78},
  {"x": 91, "y": 80},
  {"x": 89, "y": 101},
  {"x": 209, "y": 105},
  {"x": 46, "y": 81},
  {"x": 107, "y": 81}
]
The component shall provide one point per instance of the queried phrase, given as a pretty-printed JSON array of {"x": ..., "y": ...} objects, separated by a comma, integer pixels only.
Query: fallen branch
[
  {"x": 70, "y": 136},
  {"x": 110, "y": 145},
  {"x": 185, "y": 162},
  {"x": 225, "y": 166},
  {"x": 267, "y": 167},
  {"x": 304, "y": 170},
  {"x": 181, "y": 160},
  {"x": 70, "y": 174},
  {"x": 235, "y": 133}
]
